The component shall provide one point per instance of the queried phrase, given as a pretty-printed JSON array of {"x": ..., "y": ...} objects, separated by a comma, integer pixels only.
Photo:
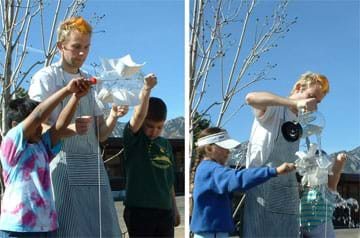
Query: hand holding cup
[{"x": 82, "y": 124}]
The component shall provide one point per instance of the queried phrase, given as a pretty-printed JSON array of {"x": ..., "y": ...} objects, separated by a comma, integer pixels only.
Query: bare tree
[
  {"x": 18, "y": 29},
  {"x": 225, "y": 31},
  {"x": 17, "y": 17}
]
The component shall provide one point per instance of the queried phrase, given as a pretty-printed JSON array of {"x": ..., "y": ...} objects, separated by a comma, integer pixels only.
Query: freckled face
[{"x": 75, "y": 49}]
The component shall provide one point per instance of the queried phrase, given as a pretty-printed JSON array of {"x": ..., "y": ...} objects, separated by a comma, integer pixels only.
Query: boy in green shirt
[{"x": 150, "y": 207}]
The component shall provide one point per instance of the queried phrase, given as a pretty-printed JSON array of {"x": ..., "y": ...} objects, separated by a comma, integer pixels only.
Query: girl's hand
[
  {"x": 79, "y": 86},
  {"x": 285, "y": 168}
]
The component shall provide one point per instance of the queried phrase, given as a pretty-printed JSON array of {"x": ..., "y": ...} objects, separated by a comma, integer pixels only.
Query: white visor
[{"x": 221, "y": 139}]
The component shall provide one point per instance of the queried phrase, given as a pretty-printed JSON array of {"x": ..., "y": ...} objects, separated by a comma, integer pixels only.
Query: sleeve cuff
[
  {"x": 56, "y": 148},
  {"x": 272, "y": 172}
]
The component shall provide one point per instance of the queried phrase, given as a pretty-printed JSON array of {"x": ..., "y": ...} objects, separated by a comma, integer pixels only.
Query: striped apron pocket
[
  {"x": 282, "y": 198},
  {"x": 85, "y": 170}
]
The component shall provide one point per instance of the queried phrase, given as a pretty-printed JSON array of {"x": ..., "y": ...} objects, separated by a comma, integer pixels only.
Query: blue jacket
[{"x": 214, "y": 183}]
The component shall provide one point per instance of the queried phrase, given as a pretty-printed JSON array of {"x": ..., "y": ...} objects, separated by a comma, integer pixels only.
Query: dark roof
[{"x": 117, "y": 142}]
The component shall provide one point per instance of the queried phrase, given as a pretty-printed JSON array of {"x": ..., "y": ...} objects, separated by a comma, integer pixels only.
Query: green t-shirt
[{"x": 149, "y": 169}]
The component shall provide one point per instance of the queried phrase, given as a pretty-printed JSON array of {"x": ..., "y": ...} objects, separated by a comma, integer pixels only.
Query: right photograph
[{"x": 274, "y": 119}]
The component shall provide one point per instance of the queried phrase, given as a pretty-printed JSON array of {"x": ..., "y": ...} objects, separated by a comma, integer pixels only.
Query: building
[
  {"x": 114, "y": 163},
  {"x": 349, "y": 189}
]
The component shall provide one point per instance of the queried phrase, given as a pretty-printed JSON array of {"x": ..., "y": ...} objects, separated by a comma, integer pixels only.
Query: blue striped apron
[
  {"x": 272, "y": 208},
  {"x": 81, "y": 186}
]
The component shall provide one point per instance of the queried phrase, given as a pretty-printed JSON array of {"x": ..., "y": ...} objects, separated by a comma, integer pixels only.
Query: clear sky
[
  {"x": 150, "y": 31},
  {"x": 325, "y": 39}
]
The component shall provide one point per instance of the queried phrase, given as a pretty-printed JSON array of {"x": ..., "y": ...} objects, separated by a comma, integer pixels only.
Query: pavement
[
  {"x": 341, "y": 233},
  {"x": 348, "y": 233},
  {"x": 179, "y": 230}
]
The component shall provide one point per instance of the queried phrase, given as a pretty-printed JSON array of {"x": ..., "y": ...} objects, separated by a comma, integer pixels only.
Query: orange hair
[
  {"x": 307, "y": 79},
  {"x": 73, "y": 24}
]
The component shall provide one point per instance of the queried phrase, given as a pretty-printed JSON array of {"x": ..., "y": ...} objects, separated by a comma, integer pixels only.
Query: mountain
[
  {"x": 352, "y": 165},
  {"x": 238, "y": 155},
  {"x": 118, "y": 130},
  {"x": 173, "y": 129}
]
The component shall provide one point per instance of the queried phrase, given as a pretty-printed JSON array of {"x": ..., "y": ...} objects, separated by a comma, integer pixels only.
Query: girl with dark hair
[{"x": 28, "y": 207}]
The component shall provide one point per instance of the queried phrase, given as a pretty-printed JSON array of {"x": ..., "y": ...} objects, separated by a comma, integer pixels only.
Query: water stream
[{"x": 315, "y": 166}]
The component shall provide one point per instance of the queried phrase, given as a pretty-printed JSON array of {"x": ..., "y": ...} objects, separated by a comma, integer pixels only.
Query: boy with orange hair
[
  {"x": 78, "y": 174},
  {"x": 277, "y": 200}
]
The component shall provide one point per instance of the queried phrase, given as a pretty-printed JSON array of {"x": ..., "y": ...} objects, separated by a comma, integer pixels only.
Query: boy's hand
[
  {"x": 150, "y": 81},
  {"x": 79, "y": 86},
  {"x": 119, "y": 111},
  {"x": 285, "y": 168}
]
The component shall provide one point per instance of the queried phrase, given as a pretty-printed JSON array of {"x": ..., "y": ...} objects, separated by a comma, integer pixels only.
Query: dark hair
[
  {"x": 19, "y": 109},
  {"x": 157, "y": 110}
]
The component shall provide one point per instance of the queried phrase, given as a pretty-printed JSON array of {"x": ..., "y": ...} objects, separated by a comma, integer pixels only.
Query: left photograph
[{"x": 92, "y": 136}]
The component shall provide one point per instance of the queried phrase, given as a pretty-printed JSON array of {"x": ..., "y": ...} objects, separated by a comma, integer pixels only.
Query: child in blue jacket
[{"x": 214, "y": 183}]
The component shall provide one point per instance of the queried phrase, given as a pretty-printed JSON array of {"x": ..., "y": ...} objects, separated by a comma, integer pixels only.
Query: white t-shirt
[
  {"x": 49, "y": 80},
  {"x": 264, "y": 132}
]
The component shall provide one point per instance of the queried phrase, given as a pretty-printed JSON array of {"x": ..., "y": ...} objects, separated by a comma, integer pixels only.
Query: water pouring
[{"x": 314, "y": 166}]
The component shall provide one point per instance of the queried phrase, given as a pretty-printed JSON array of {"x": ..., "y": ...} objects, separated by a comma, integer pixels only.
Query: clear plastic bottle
[
  {"x": 120, "y": 82},
  {"x": 119, "y": 91}
]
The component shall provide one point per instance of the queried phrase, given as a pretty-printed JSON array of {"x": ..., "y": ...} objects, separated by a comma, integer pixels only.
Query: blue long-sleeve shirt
[{"x": 214, "y": 183}]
